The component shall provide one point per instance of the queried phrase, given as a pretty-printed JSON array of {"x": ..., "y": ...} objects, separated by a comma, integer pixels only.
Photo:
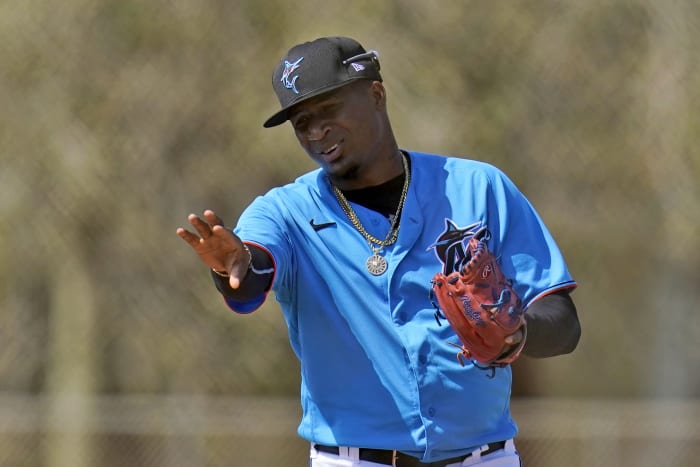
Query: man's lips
[
  {"x": 331, "y": 153},
  {"x": 330, "y": 149}
]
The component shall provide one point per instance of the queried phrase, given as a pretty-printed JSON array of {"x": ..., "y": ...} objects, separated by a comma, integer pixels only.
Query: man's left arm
[{"x": 553, "y": 327}]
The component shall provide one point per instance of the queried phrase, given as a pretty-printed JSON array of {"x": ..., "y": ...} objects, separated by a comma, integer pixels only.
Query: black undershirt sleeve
[
  {"x": 553, "y": 327},
  {"x": 254, "y": 283}
]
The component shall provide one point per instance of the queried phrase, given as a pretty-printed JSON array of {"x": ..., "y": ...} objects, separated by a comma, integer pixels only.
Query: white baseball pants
[{"x": 349, "y": 457}]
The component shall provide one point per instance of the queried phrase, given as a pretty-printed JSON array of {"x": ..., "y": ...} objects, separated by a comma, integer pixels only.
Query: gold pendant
[{"x": 376, "y": 265}]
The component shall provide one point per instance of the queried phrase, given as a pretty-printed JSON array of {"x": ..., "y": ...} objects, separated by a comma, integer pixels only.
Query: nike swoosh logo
[{"x": 318, "y": 227}]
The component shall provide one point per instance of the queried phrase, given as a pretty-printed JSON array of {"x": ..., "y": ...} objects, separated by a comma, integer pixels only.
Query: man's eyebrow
[
  {"x": 329, "y": 101},
  {"x": 297, "y": 112}
]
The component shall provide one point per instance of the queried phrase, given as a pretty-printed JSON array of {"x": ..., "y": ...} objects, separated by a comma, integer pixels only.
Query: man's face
[{"x": 343, "y": 129}]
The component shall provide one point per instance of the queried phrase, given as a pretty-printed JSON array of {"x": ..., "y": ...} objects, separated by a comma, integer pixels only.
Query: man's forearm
[{"x": 553, "y": 327}]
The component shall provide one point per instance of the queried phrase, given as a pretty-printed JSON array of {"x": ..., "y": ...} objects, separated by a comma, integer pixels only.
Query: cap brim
[
  {"x": 283, "y": 115},
  {"x": 278, "y": 118}
]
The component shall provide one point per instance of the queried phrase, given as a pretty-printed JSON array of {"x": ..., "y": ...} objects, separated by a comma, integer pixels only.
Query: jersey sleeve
[{"x": 527, "y": 251}]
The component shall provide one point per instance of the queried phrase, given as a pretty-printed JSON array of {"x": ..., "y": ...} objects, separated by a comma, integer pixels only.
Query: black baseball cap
[{"x": 319, "y": 66}]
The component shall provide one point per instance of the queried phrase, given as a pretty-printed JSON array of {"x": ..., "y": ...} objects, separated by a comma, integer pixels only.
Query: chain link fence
[
  {"x": 193, "y": 431},
  {"x": 119, "y": 117}
]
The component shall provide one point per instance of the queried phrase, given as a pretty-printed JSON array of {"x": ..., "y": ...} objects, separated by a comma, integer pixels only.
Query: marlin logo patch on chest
[{"x": 450, "y": 244}]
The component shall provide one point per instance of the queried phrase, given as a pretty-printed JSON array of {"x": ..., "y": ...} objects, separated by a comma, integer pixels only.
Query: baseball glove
[{"x": 482, "y": 308}]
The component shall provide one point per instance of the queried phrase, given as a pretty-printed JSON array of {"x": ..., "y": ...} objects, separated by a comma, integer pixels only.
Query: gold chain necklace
[{"x": 376, "y": 264}]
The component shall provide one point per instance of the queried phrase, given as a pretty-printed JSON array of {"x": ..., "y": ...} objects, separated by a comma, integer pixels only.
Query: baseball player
[{"x": 351, "y": 250}]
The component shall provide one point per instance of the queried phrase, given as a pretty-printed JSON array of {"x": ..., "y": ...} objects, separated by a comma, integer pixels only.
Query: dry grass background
[{"x": 118, "y": 118}]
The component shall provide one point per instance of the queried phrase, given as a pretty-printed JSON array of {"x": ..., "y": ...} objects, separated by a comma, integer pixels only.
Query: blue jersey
[{"x": 377, "y": 369}]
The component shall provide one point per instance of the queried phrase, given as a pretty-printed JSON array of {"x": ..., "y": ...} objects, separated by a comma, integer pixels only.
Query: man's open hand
[{"x": 218, "y": 247}]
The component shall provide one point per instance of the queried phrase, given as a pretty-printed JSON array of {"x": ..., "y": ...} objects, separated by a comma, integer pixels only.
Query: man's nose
[{"x": 317, "y": 131}]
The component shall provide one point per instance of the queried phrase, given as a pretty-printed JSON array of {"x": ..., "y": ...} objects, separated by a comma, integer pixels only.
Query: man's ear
[{"x": 378, "y": 93}]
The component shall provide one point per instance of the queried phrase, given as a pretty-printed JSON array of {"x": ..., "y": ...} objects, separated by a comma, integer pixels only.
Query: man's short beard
[{"x": 352, "y": 173}]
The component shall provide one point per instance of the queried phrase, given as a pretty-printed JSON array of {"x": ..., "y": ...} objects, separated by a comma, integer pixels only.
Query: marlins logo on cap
[
  {"x": 290, "y": 68},
  {"x": 319, "y": 66}
]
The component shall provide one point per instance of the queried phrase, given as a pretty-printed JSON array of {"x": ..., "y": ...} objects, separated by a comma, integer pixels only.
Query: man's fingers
[
  {"x": 212, "y": 218},
  {"x": 239, "y": 268},
  {"x": 187, "y": 236},
  {"x": 205, "y": 226},
  {"x": 218, "y": 247},
  {"x": 202, "y": 227},
  {"x": 234, "y": 282},
  {"x": 222, "y": 232}
]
